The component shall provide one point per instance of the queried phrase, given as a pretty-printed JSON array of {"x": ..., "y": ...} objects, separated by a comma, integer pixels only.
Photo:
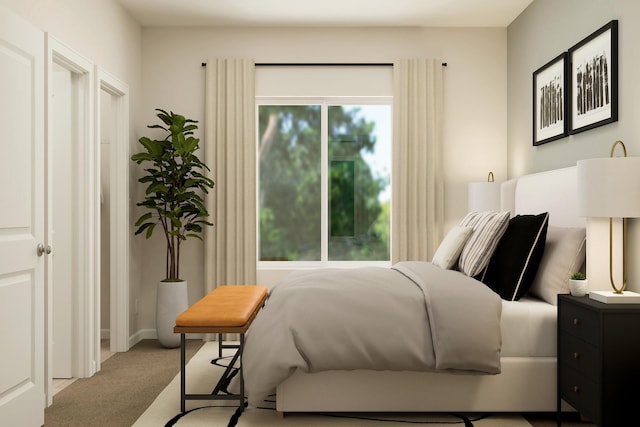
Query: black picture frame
[
  {"x": 593, "y": 70},
  {"x": 550, "y": 120}
]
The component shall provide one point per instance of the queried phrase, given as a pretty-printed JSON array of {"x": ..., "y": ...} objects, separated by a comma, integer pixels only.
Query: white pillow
[
  {"x": 449, "y": 250},
  {"x": 564, "y": 254},
  {"x": 488, "y": 228}
]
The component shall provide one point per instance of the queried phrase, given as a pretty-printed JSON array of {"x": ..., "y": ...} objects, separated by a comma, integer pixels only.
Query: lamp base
[{"x": 610, "y": 297}]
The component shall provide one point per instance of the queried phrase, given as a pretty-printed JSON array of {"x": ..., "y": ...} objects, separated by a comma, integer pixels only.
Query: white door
[{"x": 22, "y": 386}]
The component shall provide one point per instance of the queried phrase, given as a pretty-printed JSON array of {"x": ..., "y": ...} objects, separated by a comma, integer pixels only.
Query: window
[{"x": 324, "y": 180}]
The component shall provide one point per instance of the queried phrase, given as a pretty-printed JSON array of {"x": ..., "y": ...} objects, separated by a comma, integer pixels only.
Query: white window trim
[{"x": 324, "y": 102}]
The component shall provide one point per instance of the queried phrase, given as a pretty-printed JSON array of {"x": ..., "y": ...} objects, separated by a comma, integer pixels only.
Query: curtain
[
  {"x": 417, "y": 182},
  {"x": 230, "y": 152}
]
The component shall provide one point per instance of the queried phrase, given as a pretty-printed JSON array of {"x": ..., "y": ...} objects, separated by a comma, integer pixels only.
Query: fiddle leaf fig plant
[{"x": 175, "y": 180}]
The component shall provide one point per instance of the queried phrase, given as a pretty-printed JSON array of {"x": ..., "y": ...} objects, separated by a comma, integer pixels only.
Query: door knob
[{"x": 42, "y": 249}]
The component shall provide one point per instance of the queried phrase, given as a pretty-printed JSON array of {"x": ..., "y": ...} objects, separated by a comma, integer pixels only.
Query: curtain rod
[{"x": 324, "y": 64}]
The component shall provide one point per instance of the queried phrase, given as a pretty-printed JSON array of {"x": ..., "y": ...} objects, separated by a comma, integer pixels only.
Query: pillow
[
  {"x": 488, "y": 228},
  {"x": 449, "y": 250},
  {"x": 564, "y": 254},
  {"x": 514, "y": 263}
]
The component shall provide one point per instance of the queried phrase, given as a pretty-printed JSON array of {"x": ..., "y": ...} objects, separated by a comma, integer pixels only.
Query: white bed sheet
[{"x": 528, "y": 328}]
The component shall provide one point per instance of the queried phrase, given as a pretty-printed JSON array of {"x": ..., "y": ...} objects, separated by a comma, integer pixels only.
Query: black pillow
[{"x": 514, "y": 263}]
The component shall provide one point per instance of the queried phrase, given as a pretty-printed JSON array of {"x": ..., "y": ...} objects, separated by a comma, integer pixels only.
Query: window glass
[
  {"x": 347, "y": 218},
  {"x": 359, "y": 168},
  {"x": 290, "y": 187}
]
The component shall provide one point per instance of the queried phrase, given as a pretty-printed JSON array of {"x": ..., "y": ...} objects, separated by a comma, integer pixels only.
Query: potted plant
[
  {"x": 578, "y": 284},
  {"x": 175, "y": 182}
]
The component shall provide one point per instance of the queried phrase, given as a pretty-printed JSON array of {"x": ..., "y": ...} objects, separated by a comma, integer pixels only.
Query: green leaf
[
  {"x": 143, "y": 218},
  {"x": 157, "y": 187},
  {"x": 144, "y": 226},
  {"x": 153, "y": 147},
  {"x": 176, "y": 222},
  {"x": 150, "y": 230},
  {"x": 164, "y": 116},
  {"x": 191, "y": 144},
  {"x": 189, "y": 128}
]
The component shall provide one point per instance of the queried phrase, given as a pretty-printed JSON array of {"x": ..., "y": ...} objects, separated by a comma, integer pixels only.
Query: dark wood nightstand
[{"x": 599, "y": 360}]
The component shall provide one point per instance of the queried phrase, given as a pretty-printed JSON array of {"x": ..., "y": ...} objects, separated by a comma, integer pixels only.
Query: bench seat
[{"x": 226, "y": 309}]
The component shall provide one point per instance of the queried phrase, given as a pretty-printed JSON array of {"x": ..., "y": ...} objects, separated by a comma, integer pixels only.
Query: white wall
[
  {"x": 100, "y": 30},
  {"x": 543, "y": 31},
  {"x": 105, "y": 34},
  {"x": 475, "y": 99}
]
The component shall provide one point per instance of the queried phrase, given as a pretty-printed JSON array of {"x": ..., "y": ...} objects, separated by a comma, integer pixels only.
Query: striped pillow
[{"x": 488, "y": 228}]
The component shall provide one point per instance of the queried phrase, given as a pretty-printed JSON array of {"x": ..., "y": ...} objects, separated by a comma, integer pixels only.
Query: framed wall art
[
  {"x": 593, "y": 71},
  {"x": 550, "y": 121}
]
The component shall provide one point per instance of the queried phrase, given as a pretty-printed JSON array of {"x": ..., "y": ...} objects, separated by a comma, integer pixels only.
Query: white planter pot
[
  {"x": 578, "y": 288},
  {"x": 172, "y": 299}
]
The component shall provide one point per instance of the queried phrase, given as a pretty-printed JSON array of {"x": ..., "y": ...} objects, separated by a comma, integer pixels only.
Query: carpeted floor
[
  {"x": 130, "y": 382},
  {"x": 125, "y": 386}
]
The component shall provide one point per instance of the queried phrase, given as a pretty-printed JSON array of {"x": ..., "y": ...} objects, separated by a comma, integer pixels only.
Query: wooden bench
[{"x": 225, "y": 310}]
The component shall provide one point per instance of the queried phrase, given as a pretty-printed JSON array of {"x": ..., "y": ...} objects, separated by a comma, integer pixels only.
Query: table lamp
[
  {"x": 609, "y": 187},
  {"x": 484, "y": 196}
]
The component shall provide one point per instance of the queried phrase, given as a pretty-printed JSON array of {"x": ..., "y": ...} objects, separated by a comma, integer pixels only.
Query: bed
[{"x": 526, "y": 378}]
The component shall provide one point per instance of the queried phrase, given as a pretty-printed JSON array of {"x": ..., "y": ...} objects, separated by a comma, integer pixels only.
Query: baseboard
[
  {"x": 143, "y": 334},
  {"x": 151, "y": 334}
]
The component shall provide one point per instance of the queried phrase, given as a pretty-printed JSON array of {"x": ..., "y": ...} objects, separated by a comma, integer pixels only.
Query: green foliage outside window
[{"x": 290, "y": 186}]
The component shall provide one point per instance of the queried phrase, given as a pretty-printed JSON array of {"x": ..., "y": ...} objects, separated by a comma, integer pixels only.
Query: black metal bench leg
[
  {"x": 241, "y": 397},
  {"x": 222, "y": 382},
  {"x": 182, "y": 373}
]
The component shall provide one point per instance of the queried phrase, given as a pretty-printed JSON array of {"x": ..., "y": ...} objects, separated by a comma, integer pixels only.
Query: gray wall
[{"x": 543, "y": 31}]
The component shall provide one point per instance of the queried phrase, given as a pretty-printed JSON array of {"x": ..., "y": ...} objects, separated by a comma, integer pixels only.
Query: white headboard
[{"x": 552, "y": 191}]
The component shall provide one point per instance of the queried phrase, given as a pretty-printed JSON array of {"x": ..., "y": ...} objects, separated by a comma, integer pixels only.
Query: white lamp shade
[
  {"x": 609, "y": 187},
  {"x": 484, "y": 196}
]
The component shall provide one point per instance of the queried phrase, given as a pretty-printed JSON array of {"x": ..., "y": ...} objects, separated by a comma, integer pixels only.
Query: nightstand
[{"x": 599, "y": 360}]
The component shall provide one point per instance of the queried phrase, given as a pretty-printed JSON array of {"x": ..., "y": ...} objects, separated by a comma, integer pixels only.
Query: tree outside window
[{"x": 355, "y": 209}]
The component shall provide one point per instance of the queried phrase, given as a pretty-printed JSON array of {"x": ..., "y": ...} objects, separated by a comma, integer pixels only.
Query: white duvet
[{"x": 414, "y": 316}]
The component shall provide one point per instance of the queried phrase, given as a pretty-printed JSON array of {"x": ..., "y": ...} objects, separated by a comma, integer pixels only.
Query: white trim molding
[
  {"x": 87, "y": 251},
  {"x": 119, "y": 209}
]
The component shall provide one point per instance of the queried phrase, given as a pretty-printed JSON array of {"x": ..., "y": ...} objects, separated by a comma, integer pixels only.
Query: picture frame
[
  {"x": 550, "y": 119},
  {"x": 593, "y": 64}
]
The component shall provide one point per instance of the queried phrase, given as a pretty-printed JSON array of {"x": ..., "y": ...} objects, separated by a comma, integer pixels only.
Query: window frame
[{"x": 325, "y": 102}]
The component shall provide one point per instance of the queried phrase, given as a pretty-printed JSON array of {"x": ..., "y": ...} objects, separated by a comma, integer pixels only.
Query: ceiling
[{"x": 349, "y": 13}]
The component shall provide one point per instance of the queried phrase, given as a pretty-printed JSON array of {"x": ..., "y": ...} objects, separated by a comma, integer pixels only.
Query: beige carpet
[
  {"x": 202, "y": 375},
  {"x": 125, "y": 386}
]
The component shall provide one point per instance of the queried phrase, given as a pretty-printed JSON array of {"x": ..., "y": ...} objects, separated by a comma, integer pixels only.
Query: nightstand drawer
[
  {"x": 580, "y": 322},
  {"x": 579, "y": 355},
  {"x": 581, "y": 393}
]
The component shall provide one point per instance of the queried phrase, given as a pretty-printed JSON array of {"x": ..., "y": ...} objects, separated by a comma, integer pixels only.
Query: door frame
[
  {"x": 88, "y": 250},
  {"x": 87, "y": 304},
  {"x": 119, "y": 210}
]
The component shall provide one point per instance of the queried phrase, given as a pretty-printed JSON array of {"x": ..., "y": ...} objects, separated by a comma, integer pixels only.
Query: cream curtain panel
[
  {"x": 230, "y": 152},
  {"x": 417, "y": 182}
]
